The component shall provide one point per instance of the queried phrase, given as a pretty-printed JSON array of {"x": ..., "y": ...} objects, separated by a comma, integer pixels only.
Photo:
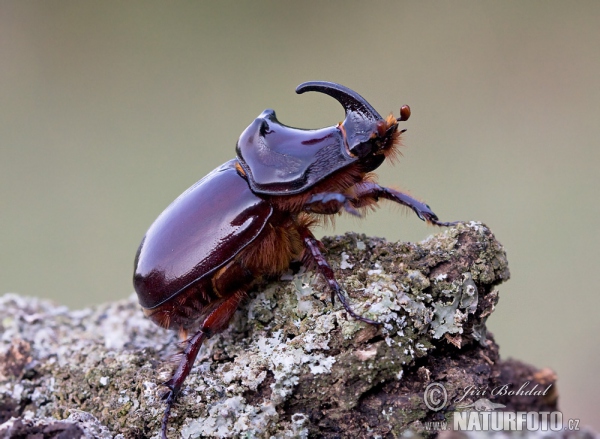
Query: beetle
[{"x": 251, "y": 217}]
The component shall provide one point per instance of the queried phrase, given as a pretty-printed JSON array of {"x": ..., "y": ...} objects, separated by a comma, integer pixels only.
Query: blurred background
[{"x": 109, "y": 110}]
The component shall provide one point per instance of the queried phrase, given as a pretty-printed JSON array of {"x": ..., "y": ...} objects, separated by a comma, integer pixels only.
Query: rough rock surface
[{"x": 290, "y": 365}]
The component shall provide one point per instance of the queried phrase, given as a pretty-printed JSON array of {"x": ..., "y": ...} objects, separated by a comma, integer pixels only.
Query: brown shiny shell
[{"x": 202, "y": 230}]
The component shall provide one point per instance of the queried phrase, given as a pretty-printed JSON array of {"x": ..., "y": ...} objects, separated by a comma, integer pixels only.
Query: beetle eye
[{"x": 362, "y": 149}]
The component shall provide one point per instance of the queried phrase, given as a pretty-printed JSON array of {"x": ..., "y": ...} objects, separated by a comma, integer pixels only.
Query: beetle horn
[{"x": 353, "y": 103}]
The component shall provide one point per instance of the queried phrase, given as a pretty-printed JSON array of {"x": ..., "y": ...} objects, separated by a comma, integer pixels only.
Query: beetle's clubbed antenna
[
  {"x": 350, "y": 100},
  {"x": 404, "y": 113}
]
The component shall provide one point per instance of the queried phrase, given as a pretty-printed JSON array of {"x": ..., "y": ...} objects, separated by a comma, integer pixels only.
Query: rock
[{"x": 290, "y": 364}]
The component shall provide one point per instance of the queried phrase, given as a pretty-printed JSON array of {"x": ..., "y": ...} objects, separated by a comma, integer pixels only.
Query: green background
[{"x": 109, "y": 110}]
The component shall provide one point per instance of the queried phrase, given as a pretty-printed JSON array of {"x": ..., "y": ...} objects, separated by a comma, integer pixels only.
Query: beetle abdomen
[{"x": 202, "y": 230}]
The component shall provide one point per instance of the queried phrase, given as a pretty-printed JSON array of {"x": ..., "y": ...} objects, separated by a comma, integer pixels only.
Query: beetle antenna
[{"x": 404, "y": 113}]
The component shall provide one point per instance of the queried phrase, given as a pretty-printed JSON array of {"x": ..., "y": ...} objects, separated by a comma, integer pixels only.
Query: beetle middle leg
[
  {"x": 216, "y": 321},
  {"x": 314, "y": 255}
]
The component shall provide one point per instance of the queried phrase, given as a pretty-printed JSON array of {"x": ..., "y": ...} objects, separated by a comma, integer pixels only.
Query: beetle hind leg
[
  {"x": 216, "y": 321},
  {"x": 181, "y": 373},
  {"x": 315, "y": 256}
]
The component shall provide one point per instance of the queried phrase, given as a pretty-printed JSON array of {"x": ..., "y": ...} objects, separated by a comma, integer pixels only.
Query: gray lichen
[{"x": 291, "y": 364}]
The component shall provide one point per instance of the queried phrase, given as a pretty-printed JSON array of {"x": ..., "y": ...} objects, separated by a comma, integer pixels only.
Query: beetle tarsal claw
[
  {"x": 342, "y": 296},
  {"x": 362, "y": 318},
  {"x": 446, "y": 224}
]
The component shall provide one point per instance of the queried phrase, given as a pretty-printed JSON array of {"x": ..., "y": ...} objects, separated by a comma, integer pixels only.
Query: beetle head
[
  {"x": 278, "y": 159},
  {"x": 367, "y": 135}
]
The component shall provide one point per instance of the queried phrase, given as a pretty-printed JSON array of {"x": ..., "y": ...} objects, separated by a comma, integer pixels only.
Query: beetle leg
[
  {"x": 367, "y": 190},
  {"x": 216, "y": 321},
  {"x": 328, "y": 203},
  {"x": 312, "y": 244}
]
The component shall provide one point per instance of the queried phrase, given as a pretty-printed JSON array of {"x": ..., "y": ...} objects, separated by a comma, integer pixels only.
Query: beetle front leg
[
  {"x": 315, "y": 255},
  {"x": 216, "y": 321},
  {"x": 328, "y": 203},
  {"x": 369, "y": 191}
]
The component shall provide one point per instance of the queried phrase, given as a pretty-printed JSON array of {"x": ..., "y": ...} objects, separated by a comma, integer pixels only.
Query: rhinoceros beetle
[{"x": 251, "y": 217}]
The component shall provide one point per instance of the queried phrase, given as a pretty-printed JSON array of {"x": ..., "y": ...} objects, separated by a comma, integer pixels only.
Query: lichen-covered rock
[{"x": 291, "y": 364}]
